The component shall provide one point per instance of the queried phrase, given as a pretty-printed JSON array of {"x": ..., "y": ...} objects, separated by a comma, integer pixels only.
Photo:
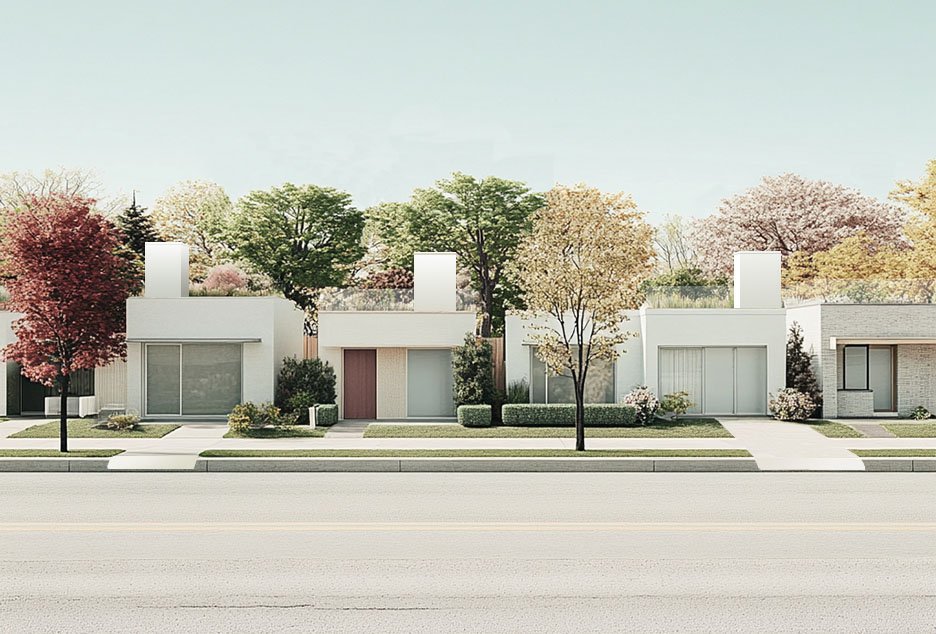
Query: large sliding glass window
[
  {"x": 681, "y": 371},
  {"x": 549, "y": 387},
  {"x": 718, "y": 380},
  {"x": 192, "y": 379}
]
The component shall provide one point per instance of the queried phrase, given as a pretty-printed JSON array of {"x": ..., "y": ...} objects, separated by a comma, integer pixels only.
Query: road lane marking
[{"x": 620, "y": 527}]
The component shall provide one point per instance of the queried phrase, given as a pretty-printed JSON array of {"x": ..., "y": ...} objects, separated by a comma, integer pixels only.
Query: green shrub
[
  {"x": 563, "y": 415},
  {"x": 312, "y": 377},
  {"x": 473, "y": 372},
  {"x": 518, "y": 392},
  {"x": 474, "y": 415},
  {"x": 298, "y": 404},
  {"x": 122, "y": 422},
  {"x": 677, "y": 404},
  {"x": 920, "y": 413},
  {"x": 247, "y": 416},
  {"x": 326, "y": 415}
]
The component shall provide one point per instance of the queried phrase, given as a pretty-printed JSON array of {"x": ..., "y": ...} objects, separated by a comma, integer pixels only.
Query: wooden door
[{"x": 360, "y": 384}]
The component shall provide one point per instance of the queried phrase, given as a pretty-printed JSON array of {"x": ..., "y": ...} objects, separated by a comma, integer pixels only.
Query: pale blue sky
[{"x": 680, "y": 103}]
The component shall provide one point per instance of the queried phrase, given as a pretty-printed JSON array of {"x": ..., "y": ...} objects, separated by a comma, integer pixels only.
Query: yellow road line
[{"x": 620, "y": 527}]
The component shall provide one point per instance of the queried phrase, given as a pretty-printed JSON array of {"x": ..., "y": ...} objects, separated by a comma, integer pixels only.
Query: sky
[{"x": 680, "y": 103}]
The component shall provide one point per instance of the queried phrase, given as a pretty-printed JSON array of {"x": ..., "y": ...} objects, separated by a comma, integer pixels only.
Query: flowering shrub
[
  {"x": 225, "y": 278},
  {"x": 645, "y": 402},
  {"x": 920, "y": 413},
  {"x": 792, "y": 405},
  {"x": 677, "y": 404}
]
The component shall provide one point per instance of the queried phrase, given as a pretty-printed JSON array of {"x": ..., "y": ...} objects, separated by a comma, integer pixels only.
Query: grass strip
[
  {"x": 895, "y": 453},
  {"x": 87, "y": 428},
  {"x": 831, "y": 429},
  {"x": 911, "y": 430},
  {"x": 55, "y": 453},
  {"x": 279, "y": 432},
  {"x": 474, "y": 453},
  {"x": 685, "y": 428}
]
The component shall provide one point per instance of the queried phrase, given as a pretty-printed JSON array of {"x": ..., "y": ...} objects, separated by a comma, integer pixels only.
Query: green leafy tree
[
  {"x": 482, "y": 221},
  {"x": 137, "y": 227},
  {"x": 303, "y": 237},
  {"x": 799, "y": 371},
  {"x": 473, "y": 372}
]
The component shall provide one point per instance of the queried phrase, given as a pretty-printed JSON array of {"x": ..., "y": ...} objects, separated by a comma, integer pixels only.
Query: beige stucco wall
[
  {"x": 391, "y": 382},
  {"x": 110, "y": 385}
]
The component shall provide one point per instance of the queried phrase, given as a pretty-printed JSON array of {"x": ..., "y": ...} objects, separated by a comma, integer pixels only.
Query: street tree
[
  {"x": 67, "y": 272},
  {"x": 790, "y": 214},
  {"x": 481, "y": 220},
  {"x": 303, "y": 237},
  {"x": 583, "y": 265}
]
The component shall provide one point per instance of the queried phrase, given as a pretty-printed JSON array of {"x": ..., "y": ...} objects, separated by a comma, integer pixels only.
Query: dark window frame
[{"x": 867, "y": 367}]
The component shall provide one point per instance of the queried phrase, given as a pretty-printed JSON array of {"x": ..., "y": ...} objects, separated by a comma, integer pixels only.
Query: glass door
[{"x": 881, "y": 377}]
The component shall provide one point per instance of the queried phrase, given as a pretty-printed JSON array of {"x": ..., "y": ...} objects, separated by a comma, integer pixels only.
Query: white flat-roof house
[
  {"x": 392, "y": 350},
  {"x": 200, "y": 356},
  {"x": 728, "y": 359}
]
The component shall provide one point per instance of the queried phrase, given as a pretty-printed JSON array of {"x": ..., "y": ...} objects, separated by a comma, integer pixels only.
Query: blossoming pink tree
[{"x": 790, "y": 214}]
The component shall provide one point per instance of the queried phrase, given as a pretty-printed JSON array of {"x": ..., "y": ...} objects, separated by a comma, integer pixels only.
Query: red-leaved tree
[
  {"x": 67, "y": 272},
  {"x": 790, "y": 214}
]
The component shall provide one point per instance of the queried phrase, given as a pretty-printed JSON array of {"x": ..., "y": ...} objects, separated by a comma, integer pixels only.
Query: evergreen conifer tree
[
  {"x": 137, "y": 227},
  {"x": 799, "y": 371}
]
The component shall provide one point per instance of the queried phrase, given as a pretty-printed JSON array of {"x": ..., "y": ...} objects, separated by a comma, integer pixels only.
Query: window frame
[
  {"x": 867, "y": 368},
  {"x": 547, "y": 372}
]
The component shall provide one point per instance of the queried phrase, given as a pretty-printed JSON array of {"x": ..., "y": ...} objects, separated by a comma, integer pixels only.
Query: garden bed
[
  {"x": 683, "y": 428},
  {"x": 88, "y": 428}
]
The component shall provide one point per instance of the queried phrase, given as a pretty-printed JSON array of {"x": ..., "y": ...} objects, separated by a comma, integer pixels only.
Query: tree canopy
[
  {"x": 920, "y": 196},
  {"x": 583, "y": 265},
  {"x": 137, "y": 227},
  {"x": 303, "y": 237},
  {"x": 481, "y": 220},
  {"x": 196, "y": 213},
  {"x": 64, "y": 269},
  {"x": 790, "y": 214}
]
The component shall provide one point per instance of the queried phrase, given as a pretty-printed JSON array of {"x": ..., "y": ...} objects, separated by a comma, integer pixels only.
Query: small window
[{"x": 856, "y": 368}]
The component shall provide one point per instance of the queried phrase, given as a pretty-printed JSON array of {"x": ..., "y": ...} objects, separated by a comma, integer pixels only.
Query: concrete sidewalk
[{"x": 778, "y": 446}]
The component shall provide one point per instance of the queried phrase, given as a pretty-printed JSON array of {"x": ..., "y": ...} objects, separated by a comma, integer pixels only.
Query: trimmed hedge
[
  {"x": 326, "y": 415},
  {"x": 474, "y": 415},
  {"x": 563, "y": 415}
]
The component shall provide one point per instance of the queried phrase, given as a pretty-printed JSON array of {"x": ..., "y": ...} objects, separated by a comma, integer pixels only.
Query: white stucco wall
[
  {"x": 628, "y": 369},
  {"x": 6, "y": 337},
  {"x": 272, "y": 320},
  {"x": 393, "y": 329},
  {"x": 715, "y": 327},
  {"x": 434, "y": 282}
]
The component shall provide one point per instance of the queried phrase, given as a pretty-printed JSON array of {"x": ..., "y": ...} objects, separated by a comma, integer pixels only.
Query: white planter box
[{"x": 79, "y": 406}]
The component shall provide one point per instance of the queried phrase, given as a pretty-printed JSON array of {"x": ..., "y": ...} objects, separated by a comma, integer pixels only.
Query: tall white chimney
[
  {"x": 757, "y": 279},
  {"x": 434, "y": 282},
  {"x": 167, "y": 269}
]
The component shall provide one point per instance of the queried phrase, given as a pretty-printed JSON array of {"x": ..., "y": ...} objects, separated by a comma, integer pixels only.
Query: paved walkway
[
  {"x": 177, "y": 450},
  {"x": 775, "y": 446},
  {"x": 780, "y": 446}
]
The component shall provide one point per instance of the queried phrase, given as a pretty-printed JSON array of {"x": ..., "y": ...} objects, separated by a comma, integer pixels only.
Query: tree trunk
[
  {"x": 63, "y": 413},
  {"x": 579, "y": 419},
  {"x": 487, "y": 309}
]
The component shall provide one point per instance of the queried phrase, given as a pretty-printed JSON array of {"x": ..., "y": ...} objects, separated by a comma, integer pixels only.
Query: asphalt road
[{"x": 254, "y": 552}]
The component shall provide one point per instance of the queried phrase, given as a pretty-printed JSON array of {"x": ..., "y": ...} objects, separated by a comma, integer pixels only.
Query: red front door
[{"x": 360, "y": 384}]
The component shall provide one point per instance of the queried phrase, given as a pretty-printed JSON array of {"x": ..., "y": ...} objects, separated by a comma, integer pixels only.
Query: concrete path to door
[
  {"x": 347, "y": 428},
  {"x": 780, "y": 446},
  {"x": 178, "y": 450}
]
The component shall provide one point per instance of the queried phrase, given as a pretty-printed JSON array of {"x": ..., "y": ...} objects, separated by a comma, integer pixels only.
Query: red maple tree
[{"x": 68, "y": 273}]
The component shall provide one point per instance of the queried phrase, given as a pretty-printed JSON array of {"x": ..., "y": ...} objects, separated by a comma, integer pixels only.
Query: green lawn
[
  {"x": 474, "y": 453},
  {"x": 911, "y": 430},
  {"x": 895, "y": 453},
  {"x": 293, "y": 431},
  {"x": 830, "y": 429},
  {"x": 55, "y": 453},
  {"x": 686, "y": 428},
  {"x": 87, "y": 428}
]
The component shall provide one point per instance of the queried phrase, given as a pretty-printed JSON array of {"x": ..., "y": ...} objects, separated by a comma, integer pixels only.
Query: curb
[
  {"x": 399, "y": 465},
  {"x": 900, "y": 464}
]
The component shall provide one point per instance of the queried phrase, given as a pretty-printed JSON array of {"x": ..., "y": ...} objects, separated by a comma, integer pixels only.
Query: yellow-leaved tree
[{"x": 583, "y": 265}]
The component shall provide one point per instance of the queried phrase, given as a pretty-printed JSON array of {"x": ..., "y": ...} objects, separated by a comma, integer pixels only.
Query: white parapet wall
[
  {"x": 434, "y": 282},
  {"x": 757, "y": 279},
  {"x": 167, "y": 270}
]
